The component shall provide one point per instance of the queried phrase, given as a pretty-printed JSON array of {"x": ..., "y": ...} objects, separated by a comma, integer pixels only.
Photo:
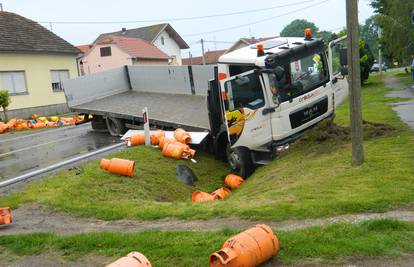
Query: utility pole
[
  {"x": 1, "y": 7},
  {"x": 354, "y": 82},
  {"x": 379, "y": 51},
  {"x": 202, "y": 51}
]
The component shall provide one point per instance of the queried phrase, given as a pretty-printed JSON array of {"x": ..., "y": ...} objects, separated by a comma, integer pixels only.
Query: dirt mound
[{"x": 331, "y": 132}]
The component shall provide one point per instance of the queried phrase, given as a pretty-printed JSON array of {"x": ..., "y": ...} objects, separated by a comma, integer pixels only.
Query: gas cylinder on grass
[
  {"x": 133, "y": 259},
  {"x": 177, "y": 151},
  {"x": 248, "y": 249},
  {"x": 233, "y": 181},
  {"x": 200, "y": 196},
  {"x": 118, "y": 166},
  {"x": 5, "y": 216},
  {"x": 221, "y": 193}
]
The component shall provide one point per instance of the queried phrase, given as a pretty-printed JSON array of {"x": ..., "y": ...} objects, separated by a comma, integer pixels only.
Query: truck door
[
  {"x": 244, "y": 102},
  {"x": 339, "y": 83}
]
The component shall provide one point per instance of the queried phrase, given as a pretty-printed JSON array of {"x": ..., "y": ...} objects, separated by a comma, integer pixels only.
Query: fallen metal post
[{"x": 57, "y": 165}]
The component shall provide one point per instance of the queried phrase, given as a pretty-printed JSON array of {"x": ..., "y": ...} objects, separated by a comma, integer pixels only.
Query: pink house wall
[{"x": 93, "y": 62}]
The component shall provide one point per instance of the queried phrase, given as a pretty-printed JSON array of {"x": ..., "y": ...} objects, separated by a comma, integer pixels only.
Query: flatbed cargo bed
[{"x": 173, "y": 110}]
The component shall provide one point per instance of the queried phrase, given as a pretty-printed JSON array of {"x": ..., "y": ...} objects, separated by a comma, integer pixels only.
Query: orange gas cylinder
[
  {"x": 3, "y": 127},
  {"x": 39, "y": 125},
  {"x": 248, "y": 249},
  {"x": 163, "y": 140},
  {"x": 182, "y": 136},
  {"x": 221, "y": 193},
  {"x": 118, "y": 166},
  {"x": 5, "y": 216},
  {"x": 233, "y": 181},
  {"x": 177, "y": 151},
  {"x": 200, "y": 196},
  {"x": 133, "y": 259},
  {"x": 137, "y": 139},
  {"x": 173, "y": 150},
  {"x": 157, "y": 136},
  {"x": 11, "y": 123}
]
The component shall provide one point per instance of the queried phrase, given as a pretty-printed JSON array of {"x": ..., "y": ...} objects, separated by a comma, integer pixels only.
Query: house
[
  {"x": 243, "y": 42},
  {"x": 112, "y": 51},
  {"x": 162, "y": 36},
  {"x": 210, "y": 57},
  {"x": 33, "y": 63}
]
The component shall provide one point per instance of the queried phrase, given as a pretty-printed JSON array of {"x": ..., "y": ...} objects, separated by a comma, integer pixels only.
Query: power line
[
  {"x": 182, "y": 18},
  {"x": 256, "y": 22}
]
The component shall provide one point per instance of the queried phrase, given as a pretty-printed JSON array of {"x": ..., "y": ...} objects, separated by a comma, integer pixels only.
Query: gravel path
[{"x": 34, "y": 219}]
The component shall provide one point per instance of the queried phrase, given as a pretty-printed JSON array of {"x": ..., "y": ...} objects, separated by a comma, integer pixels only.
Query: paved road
[
  {"x": 22, "y": 152},
  {"x": 405, "y": 110}
]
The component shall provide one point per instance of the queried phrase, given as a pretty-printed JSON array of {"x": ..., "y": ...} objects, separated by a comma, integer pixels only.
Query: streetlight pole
[{"x": 354, "y": 82}]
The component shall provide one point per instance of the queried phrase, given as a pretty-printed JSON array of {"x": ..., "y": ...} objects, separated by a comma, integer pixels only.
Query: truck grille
[{"x": 308, "y": 113}]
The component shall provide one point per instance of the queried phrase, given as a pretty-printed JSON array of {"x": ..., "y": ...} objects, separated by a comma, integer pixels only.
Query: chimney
[{"x": 124, "y": 30}]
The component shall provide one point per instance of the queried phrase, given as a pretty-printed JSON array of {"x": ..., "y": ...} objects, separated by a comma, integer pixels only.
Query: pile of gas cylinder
[
  {"x": 38, "y": 123},
  {"x": 176, "y": 147}
]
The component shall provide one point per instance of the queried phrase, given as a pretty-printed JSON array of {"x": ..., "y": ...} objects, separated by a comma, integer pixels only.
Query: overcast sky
[{"x": 326, "y": 14}]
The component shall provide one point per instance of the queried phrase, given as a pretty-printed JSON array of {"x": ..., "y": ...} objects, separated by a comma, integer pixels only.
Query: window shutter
[{"x": 19, "y": 82}]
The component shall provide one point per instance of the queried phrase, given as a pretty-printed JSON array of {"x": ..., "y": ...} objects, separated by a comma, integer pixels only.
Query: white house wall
[{"x": 170, "y": 47}]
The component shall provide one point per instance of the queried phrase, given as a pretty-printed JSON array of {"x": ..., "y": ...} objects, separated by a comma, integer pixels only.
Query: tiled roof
[
  {"x": 135, "y": 47},
  {"x": 19, "y": 34},
  {"x": 211, "y": 57},
  {"x": 84, "y": 48},
  {"x": 150, "y": 33}
]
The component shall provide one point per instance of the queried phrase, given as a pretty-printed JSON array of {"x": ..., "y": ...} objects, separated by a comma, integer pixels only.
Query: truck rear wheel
[
  {"x": 240, "y": 161},
  {"x": 116, "y": 127}
]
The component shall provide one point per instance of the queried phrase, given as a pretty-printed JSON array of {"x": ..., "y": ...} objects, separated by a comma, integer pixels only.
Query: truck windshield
[{"x": 300, "y": 77}]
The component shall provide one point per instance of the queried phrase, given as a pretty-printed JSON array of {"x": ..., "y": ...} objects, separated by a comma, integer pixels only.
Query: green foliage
[
  {"x": 296, "y": 28},
  {"x": 369, "y": 33},
  {"x": 337, "y": 242},
  {"x": 366, "y": 57},
  {"x": 5, "y": 101},
  {"x": 394, "y": 17},
  {"x": 327, "y": 36}
]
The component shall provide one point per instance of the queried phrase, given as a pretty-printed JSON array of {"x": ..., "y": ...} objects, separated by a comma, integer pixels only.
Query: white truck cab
[{"x": 270, "y": 93}]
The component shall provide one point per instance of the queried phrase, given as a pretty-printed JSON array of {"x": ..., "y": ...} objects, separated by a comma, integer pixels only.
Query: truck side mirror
[
  {"x": 279, "y": 73},
  {"x": 343, "y": 56},
  {"x": 344, "y": 70}
]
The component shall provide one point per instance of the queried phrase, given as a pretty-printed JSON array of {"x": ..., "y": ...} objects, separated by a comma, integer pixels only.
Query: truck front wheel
[
  {"x": 116, "y": 127},
  {"x": 240, "y": 161}
]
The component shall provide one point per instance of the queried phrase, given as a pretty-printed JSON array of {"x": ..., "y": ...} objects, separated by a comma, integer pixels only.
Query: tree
[
  {"x": 327, "y": 36},
  {"x": 394, "y": 18},
  {"x": 366, "y": 57},
  {"x": 5, "y": 101},
  {"x": 369, "y": 33},
  {"x": 296, "y": 28}
]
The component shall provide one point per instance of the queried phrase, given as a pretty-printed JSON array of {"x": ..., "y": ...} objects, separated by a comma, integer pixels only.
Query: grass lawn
[
  {"x": 314, "y": 179},
  {"x": 334, "y": 243}
]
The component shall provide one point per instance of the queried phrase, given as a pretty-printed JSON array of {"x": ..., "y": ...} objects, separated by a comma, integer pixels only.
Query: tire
[
  {"x": 240, "y": 161},
  {"x": 99, "y": 124},
  {"x": 115, "y": 126}
]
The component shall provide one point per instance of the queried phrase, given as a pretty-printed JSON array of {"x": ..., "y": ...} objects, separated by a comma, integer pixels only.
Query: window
[
  {"x": 14, "y": 82},
  {"x": 300, "y": 77},
  {"x": 162, "y": 40},
  {"x": 58, "y": 76},
  {"x": 106, "y": 51},
  {"x": 237, "y": 69},
  {"x": 245, "y": 92}
]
